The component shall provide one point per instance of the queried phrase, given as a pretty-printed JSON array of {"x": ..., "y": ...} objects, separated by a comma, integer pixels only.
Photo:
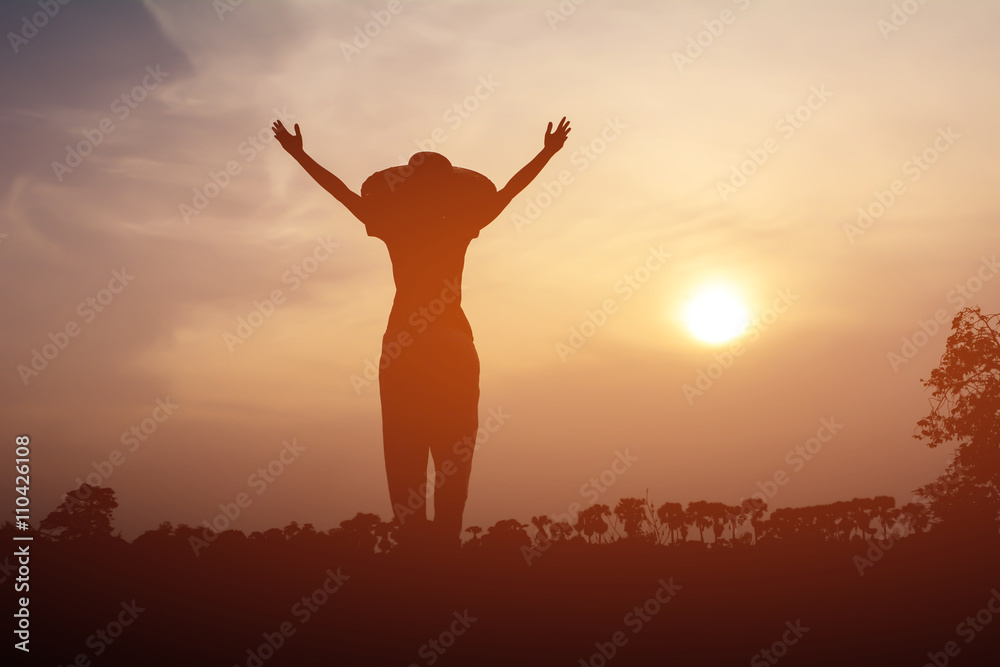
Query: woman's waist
[
  {"x": 410, "y": 322},
  {"x": 416, "y": 323},
  {"x": 421, "y": 290},
  {"x": 421, "y": 307}
]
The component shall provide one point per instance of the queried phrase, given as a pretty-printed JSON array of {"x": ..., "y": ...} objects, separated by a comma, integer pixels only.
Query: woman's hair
[{"x": 429, "y": 161}]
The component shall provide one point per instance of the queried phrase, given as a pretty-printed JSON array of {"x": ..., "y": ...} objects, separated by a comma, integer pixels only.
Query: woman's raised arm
[
  {"x": 553, "y": 142},
  {"x": 293, "y": 144}
]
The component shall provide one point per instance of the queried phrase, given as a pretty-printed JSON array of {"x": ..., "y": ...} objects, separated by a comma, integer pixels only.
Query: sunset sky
[{"x": 737, "y": 140}]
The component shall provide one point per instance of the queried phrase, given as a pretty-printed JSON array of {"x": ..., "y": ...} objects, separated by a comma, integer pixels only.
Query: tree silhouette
[
  {"x": 84, "y": 514},
  {"x": 734, "y": 516},
  {"x": 591, "y": 521},
  {"x": 965, "y": 409},
  {"x": 561, "y": 530},
  {"x": 540, "y": 522},
  {"x": 861, "y": 512},
  {"x": 782, "y": 524},
  {"x": 291, "y": 530},
  {"x": 632, "y": 513},
  {"x": 718, "y": 515},
  {"x": 383, "y": 533},
  {"x": 965, "y": 401},
  {"x": 699, "y": 516},
  {"x": 840, "y": 524},
  {"x": 753, "y": 511},
  {"x": 475, "y": 531},
  {"x": 673, "y": 517},
  {"x": 358, "y": 532},
  {"x": 158, "y": 540},
  {"x": 885, "y": 511},
  {"x": 914, "y": 517},
  {"x": 506, "y": 534},
  {"x": 960, "y": 501}
]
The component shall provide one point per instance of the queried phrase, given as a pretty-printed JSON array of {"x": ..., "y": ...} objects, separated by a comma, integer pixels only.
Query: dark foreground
[{"x": 258, "y": 605}]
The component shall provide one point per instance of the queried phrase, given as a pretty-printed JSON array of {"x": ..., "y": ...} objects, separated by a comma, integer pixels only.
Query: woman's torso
[{"x": 428, "y": 277}]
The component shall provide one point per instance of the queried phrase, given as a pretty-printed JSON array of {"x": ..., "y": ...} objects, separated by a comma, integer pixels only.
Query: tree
[
  {"x": 158, "y": 541},
  {"x": 274, "y": 537},
  {"x": 753, "y": 510},
  {"x": 840, "y": 521},
  {"x": 959, "y": 502},
  {"x": 599, "y": 524},
  {"x": 699, "y": 516},
  {"x": 765, "y": 528},
  {"x": 540, "y": 522},
  {"x": 734, "y": 516},
  {"x": 84, "y": 514},
  {"x": 885, "y": 511},
  {"x": 672, "y": 515},
  {"x": 591, "y": 521},
  {"x": 475, "y": 531},
  {"x": 965, "y": 401},
  {"x": 506, "y": 534},
  {"x": 561, "y": 530},
  {"x": 358, "y": 532},
  {"x": 861, "y": 513},
  {"x": 632, "y": 513},
  {"x": 781, "y": 525},
  {"x": 965, "y": 409},
  {"x": 914, "y": 517},
  {"x": 383, "y": 532},
  {"x": 718, "y": 515},
  {"x": 291, "y": 530}
]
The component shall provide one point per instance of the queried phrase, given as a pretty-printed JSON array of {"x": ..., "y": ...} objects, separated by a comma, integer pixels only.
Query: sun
[{"x": 716, "y": 314}]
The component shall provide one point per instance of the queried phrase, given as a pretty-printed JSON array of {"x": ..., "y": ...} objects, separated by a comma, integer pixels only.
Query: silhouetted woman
[{"x": 427, "y": 212}]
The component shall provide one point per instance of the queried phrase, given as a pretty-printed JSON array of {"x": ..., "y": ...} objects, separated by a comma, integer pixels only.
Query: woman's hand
[
  {"x": 555, "y": 140},
  {"x": 293, "y": 142}
]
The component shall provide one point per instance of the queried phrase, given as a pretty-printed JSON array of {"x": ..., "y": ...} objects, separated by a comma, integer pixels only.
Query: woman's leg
[
  {"x": 430, "y": 401},
  {"x": 404, "y": 447},
  {"x": 452, "y": 450}
]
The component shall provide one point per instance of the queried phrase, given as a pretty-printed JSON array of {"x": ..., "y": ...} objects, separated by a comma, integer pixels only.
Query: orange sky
[{"x": 834, "y": 108}]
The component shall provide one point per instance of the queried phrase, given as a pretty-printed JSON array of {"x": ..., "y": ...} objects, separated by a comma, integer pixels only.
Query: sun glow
[{"x": 716, "y": 314}]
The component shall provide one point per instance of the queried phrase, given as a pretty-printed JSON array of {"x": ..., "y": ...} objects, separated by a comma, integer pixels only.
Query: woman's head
[
  {"x": 428, "y": 161},
  {"x": 427, "y": 179}
]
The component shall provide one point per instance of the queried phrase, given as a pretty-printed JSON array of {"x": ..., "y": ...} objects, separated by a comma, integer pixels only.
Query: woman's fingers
[{"x": 563, "y": 127}]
